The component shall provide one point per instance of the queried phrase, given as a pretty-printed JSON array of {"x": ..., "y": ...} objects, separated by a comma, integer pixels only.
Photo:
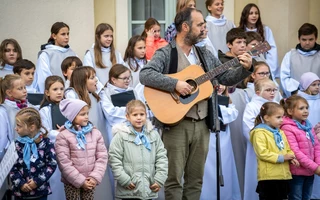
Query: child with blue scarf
[
  {"x": 273, "y": 153},
  {"x": 304, "y": 144},
  {"x": 81, "y": 152},
  {"x": 137, "y": 156},
  {"x": 37, "y": 159}
]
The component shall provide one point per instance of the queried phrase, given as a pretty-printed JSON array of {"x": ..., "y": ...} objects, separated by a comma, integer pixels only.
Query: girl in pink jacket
[
  {"x": 304, "y": 144},
  {"x": 81, "y": 153},
  {"x": 153, "y": 39}
]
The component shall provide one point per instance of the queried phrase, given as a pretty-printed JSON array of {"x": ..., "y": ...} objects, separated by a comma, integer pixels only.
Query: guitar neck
[{"x": 216, "y": 71}]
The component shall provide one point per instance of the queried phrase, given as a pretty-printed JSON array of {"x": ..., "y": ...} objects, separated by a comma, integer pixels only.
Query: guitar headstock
[{"x": 260, "y": 48}]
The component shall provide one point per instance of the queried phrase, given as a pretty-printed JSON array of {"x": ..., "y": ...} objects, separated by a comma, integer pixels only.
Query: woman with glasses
[{"x": 261, "y": 70}]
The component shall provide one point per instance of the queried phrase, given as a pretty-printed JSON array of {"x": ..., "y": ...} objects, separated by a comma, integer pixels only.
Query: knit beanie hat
[
  {"x": 71, "y": 107},
  {"x": 307, "y": 79}
]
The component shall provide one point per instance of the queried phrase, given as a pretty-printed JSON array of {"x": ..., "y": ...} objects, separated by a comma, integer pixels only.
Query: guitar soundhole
[{"x": 193, "y": 84}]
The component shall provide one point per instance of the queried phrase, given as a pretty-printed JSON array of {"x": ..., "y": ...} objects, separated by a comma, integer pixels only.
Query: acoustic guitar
[{"x": 171, "y": 107}]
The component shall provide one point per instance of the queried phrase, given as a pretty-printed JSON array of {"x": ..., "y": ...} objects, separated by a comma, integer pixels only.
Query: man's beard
[{"x": 192, "y": 39}]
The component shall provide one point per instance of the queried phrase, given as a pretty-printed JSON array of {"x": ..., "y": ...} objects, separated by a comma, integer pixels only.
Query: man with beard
[{"x": 187, "y": 142}]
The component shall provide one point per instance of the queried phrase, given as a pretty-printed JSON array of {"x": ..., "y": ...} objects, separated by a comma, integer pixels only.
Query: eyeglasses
[
  {"x": 262, "y": 74},
  {"x": 271, "y": 90},
  {"x": 126, "y": 78}
]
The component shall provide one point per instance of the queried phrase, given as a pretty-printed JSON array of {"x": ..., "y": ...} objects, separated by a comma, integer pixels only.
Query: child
[
  {"x": 83, "y": 84},
  {"x": 119, "y": 81},
  {"x": 251, "y": 21},
  {"x": 303, "y": 143},
  {"x": 25, "y": 68},
  {"x": 231, "y": 190},
  {"x": 135, "y": 57},
  {"x": 273, "y": 153},
  {"x": 265, "y": 91},
  {"x": 153, "y": 39},
  {"x": 13, "y": 97},
  {"x": 171, "y": 31},
  {"x": 52, "y": 119},
  {"x": 67, "y": 67},
  {"x": 10, "y": 53},
  {"x": 81, "y": 153},
  {"x": 217, "y": 24},
  {"x": 137, "y": 155},
  {"x": 253, "y": 39},
  {"x": 261, "y": 70},
  {"x": 37, "y": 159},
  {"x": 309, "y": 89},
  {"x": 52, "y": 54},
  {"x": 102, "y": 56}
]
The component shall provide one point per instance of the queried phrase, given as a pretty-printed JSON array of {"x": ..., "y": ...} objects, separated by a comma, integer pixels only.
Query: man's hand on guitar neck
[
  {"x": 245, "y": 60},
  {"x": 183, "y": 88}
]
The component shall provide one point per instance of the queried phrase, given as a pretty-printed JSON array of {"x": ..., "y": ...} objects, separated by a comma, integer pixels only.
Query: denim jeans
[{"x": 301, "y": 187}]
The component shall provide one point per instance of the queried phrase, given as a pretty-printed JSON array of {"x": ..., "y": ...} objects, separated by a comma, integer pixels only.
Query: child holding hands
[
  {"x": 81, "y": 153},
  {"x": 137, "y": 155},
  {"x": 273, "y": 153}
]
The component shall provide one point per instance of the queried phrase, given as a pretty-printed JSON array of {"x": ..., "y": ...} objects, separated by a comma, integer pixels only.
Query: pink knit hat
[
  {"x": 71, "y": 107},
  {"x": 307, "y": 79}
]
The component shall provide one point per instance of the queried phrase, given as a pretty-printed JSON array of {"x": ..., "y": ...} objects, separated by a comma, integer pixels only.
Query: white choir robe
[{"x": 231, "y": 189}]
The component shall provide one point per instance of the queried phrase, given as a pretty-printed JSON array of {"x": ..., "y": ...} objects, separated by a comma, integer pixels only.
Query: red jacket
[{"x": 152, "y": 45}]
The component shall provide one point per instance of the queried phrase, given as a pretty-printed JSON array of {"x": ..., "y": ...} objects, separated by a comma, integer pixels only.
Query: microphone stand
[{"x": 216, "y": 128}]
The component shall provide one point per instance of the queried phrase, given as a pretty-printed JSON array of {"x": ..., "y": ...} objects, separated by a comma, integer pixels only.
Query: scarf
[
  {"x": 141, "y": 138},
  {"x": 276, "y": 135},
  {"x": 80, "y": 135},
  {"x": 20, "y": 103},
  {"x": 29, "y": 146},
  {"x": 315, "y": 48},
  {"x": 307, "y": 128}
]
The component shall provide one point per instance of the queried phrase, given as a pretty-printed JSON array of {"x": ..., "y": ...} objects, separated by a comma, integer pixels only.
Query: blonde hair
[
  {"x": 260, "y": 85},
  {"x": 6, "y": 83},
  {"x": 181, "y": 4},
  {"x": 256, "y": 66},
  {"x": 133, "y": 104},
  {"x": 30, "y": 116}
]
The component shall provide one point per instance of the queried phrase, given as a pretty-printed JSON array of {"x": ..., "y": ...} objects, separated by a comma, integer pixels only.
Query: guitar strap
[{"x": 173, "y": 66}]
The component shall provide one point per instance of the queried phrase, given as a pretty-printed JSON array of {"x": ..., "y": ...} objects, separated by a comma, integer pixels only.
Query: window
[{"x": 141, "y": 10}]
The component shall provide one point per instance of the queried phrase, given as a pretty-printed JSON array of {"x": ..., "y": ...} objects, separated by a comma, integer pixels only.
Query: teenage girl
[
  {"x": 83, "y": 84},
  {"x": 52, "y": 120},
  {"x": 251, "y": 21},
  {"x": 273, "y": 153},
  {"x": 119, "y": 82},
  {"x": 135, "y": 57},
  {"x": 137, "y": 155},
  {"x": 261, "y": 70},
  {"x": 102, "y": 56},
  {"x": 231, "y": 188},
  {"x": 303, "y": 143},
  {"x": 218, "y": 25},
  {"x": 265, "y": 91},
  {"x": 171, "y": 31},
  {"x": 36, "y": 158},
  {"x": 153, "y": 39},
  {"x": 52, "y": 54},
  {"x": 10, "y": 53},
  {"x": 81, "y": 152}
]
